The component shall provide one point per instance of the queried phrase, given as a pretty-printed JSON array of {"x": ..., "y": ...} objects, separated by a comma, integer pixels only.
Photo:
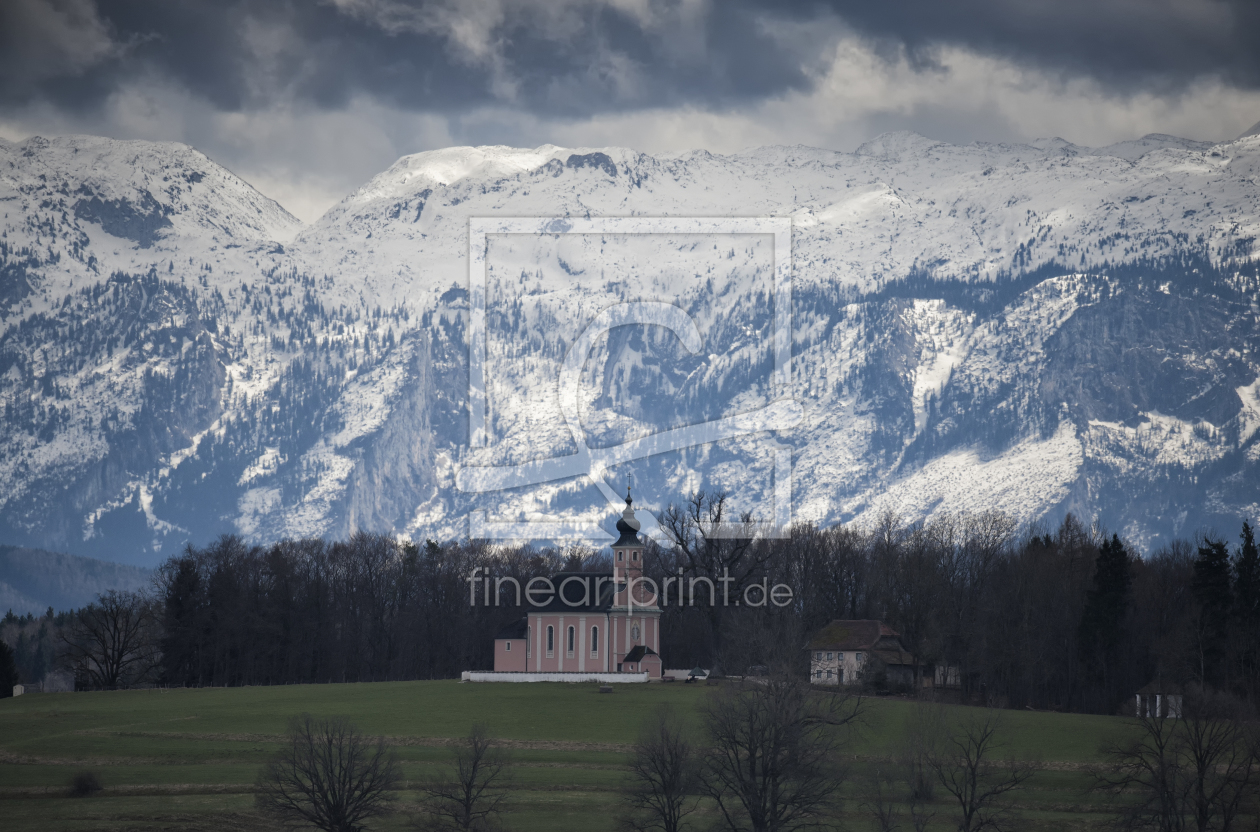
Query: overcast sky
[{"x": 307, "y": 99}]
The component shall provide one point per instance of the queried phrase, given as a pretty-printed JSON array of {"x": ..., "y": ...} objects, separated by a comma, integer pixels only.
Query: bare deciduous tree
[
  {"x": 773, "y": 764},
  {"x": 328, "y": 775},
  {"x": 1189, "y": 773},
  {"x": 702, "y": 547},
  {"x": 666, "y": 775},
  {"x": 909, "y": 781},
  {"x": 113, "y": 642},
  {"x": 964, "y": 760},
  {"x": 470, "y": 795},
  {"x": 919, "y": 777},
  {"x": 880, "y": 799}
]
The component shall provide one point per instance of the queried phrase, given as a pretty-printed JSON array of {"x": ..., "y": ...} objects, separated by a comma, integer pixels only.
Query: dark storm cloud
[
  {"x": 1125, "y": 43},
  {"x": 243, "y": 54},
  {"x": 568, "y": 58}
]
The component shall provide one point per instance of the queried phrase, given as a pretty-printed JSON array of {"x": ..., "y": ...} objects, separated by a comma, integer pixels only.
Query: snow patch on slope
[{"x": 969, "y": 480}]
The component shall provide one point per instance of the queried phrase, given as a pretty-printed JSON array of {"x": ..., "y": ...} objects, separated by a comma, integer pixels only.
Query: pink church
[{"x": 596, "y": 622}]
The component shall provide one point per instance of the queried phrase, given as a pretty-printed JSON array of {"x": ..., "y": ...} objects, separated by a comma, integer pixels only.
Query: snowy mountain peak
[
  {"x": 136, "y": 189},
  {"x": 434, "y": 168},
  {"x": 898, "y": 145},
  {"x": 1056, "y": 145},
  {"x": 1135, "y": 149}
]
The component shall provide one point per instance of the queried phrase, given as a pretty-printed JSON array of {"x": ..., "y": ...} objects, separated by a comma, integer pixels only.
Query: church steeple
[
  {"x": 628, "y": 560},
  {"x": 628, "y": 526}
]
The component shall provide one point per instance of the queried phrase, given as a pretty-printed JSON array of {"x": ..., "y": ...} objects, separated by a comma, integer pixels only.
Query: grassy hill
[
  {"x": 32, "y": 580},
  {"x": 187, "y": 759}
]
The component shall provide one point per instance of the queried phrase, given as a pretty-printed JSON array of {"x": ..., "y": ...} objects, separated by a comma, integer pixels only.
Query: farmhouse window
[{"x": 828, "y": 657}]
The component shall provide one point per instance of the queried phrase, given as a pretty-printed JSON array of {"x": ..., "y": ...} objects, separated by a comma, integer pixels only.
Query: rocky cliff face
[{"x": 1035, "y": 329}]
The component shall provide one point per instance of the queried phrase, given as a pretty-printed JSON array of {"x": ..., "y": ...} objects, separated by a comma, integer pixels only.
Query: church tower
[
  {"x": 635, "y": 617},
  {"x": 628, "y": 559}
]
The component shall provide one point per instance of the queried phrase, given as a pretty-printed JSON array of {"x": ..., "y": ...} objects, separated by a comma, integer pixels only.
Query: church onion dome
[{"x": 628, "y": 527}]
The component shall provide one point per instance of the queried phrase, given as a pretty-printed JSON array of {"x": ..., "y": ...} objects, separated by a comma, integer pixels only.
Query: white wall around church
[{"x": 602, "y": 678}]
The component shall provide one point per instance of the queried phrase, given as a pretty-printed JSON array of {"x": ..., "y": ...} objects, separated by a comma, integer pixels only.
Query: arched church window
[
  {"x": 595, "y": 641},
  {"x": 551, "y": 641},
  {"x": 569, "y": 649}
]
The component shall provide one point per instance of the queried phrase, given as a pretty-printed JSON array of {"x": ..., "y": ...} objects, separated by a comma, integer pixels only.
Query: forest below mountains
[{"x": 1066, "y": 618}]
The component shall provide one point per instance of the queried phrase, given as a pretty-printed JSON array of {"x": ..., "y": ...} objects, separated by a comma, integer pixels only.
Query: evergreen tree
[
  {"x": 1102, "y": 623},
  {"x": 1247, "y": 579},
  {"x": 1214, "y": 598},
  {"x": 1247, "y": 607},
  {"x": 1108, "y": 597},
  {"x": 8, "y": 670},
  {"x": 183, "y": 622}
]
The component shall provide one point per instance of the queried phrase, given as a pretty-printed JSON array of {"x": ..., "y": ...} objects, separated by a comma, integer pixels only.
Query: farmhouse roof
[
  {"x": 898, "y": 656},
  {"x": 860, "y": 634}
]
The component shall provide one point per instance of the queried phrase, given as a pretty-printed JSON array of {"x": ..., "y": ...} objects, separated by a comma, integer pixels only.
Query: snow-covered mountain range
[{"x": 1033, "y": 328}]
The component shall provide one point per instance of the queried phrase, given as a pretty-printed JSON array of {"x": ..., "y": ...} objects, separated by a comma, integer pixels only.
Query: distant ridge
[
  {"x": 32, "y": 580},
  {"x": 1254, "y": 131}
]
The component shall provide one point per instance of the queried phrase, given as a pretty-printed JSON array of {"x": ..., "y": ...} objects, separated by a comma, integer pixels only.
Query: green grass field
[{"x": 187, "y": 759}]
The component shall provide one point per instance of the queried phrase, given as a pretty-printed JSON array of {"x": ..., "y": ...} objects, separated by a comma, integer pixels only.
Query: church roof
[
  {"x": 638, "y": 652},
  {"x": 628, "y": 526},
  {"x": 516, "y": 629},
  {"x": 586, "y": 593}
]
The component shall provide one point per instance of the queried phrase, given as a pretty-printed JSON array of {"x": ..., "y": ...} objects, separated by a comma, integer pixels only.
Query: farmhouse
[
  {"x": 600, "y": 622},
  {"x": 849, "y": 652}
]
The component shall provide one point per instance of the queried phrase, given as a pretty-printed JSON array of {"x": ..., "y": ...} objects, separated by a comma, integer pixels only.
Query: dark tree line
[
  {"x": 366, "y": 609},
  {"x": 34, "y": 642},
  {"x": 1069, "y": 618}
]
